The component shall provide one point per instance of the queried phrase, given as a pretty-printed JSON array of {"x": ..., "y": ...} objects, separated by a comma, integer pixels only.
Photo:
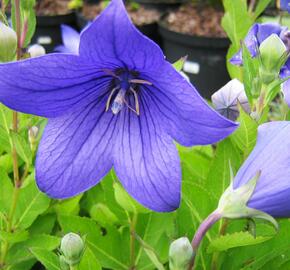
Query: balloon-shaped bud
[
  {"x": 36, "y": 50},
  {"x": 273, "y": 53},
  {"x": 8, "y": 43},
  {"x": 72, "y": 247},
  {"x": 180, "y": 254}
]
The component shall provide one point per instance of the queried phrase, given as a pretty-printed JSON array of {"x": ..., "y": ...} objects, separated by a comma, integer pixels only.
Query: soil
[
  {"x": 140, "y": 16},
  {"x": 52, "y": 7},
  {"x": 198, "y": 20}
]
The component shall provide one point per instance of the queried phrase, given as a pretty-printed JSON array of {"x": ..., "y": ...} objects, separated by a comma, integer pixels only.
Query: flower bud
[
  {"x": 226, "y": 99},
  {"x": 180, "y": 254},
  {"x": 8, "y": 43},
  {"x": 273, "y": 54},
  {"x": 72, "y": 247},
  {"x": 32, "y": 136},
  {"x": 36, "y": 50}
]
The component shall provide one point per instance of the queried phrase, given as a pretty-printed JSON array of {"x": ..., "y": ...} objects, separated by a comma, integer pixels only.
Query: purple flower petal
[
  {"x": 185, "y": 115},
  {"x": 70, "y": 39},
  {"x": 75, "y": 150},
  {"x": 113, "y": 38},
  {"x": 146, "y": 160},
  {"x": 271, "y": 156},
  {"x": 48, "y": 85},
  {"x": 284, "y": 5}
]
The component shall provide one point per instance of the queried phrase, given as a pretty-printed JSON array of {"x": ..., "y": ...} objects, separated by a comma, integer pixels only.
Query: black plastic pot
[
  {"x": 150, "y": 30},
  {"x": 48, "y": 32},
  {"x": 162, "y": 5},
  {"x": 206, "y": 58}
]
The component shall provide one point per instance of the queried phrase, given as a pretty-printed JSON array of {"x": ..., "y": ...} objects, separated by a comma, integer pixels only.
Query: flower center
[{"x": 126, "y": 83}]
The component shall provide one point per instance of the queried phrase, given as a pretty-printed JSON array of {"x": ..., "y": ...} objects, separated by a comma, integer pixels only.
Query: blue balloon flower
[{"x": 117, "y": 103}]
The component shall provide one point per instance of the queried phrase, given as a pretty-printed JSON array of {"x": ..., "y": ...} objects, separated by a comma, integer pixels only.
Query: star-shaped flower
[{"x": 118, "y": 103}]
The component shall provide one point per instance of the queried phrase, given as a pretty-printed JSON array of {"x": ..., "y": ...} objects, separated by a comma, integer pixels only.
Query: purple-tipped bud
[{"x": 226, "y": 99}]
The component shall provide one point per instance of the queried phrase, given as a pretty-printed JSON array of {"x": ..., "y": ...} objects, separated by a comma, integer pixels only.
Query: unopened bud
[
  {"x": 36, "y": 50},
  {"x": 8, "y": 43},
  {"x": 273, "y": 54},
  {"x": 226, "y": 99},
  {"x": 72, "y": 247},
  {"x": 180, "y": 254},
  {"x": 32, "y": 136}
]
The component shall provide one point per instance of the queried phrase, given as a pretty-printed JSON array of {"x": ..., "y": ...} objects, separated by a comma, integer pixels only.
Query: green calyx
[{"x": 233, "y": 203}]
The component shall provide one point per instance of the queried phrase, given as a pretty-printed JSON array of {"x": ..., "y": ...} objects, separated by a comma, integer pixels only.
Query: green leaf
[
  {"x": 89, "y": 261},
  {"x": 68, "y": 206},
  {"x": 15, "y": 237},
  {"x": 6, "y": 163},
  {"x": 260, "y": 7},
  {"x": 31, "y": 204},
  {"x": 126, "y": 201},
  {"x": 43, "y": 224},
  {"x": 47, "y": 258},
  {"x": 19, "y": 252},
  {"x": 151, "y": 254},
  {"x": 238, "y": 239},
  {"x": 6, "y": 192},
  {"x": 246, "y": 134},
  {"x": 250, "y": 74},
  {"x": 178, "y": 65},
  {"x": 103, "y": 215},
  {"x": 22, "y": 147}
]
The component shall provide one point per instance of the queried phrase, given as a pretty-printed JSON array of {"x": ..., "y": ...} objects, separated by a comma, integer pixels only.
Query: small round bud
[
  {"x": 180, "y": 254},
  {"x": 36, "y": 50},
  {"x": 8, "y": 43},
  {"x": 72, "y": 247}
]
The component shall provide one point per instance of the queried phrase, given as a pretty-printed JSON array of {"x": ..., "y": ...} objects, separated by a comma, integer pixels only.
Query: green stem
[
  {"x": 17, "y": 180},
  {"x": 133, "y": 223},
  {"x": 5, "y": 246},
  {"x": 73, "y": 267}
]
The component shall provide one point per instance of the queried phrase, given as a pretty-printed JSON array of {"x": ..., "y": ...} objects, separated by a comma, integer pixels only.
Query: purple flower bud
[{"x": 226, "y": 99}]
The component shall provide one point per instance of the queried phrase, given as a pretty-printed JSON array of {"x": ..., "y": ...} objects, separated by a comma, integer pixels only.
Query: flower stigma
[{"x": 126, "y": 83}]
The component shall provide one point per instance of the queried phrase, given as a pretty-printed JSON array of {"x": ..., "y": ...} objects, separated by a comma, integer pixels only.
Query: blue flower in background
[
  {"x": 70, "y": 40},
  {"x": 256, "y": 35},
  {"x": 271, "y": 156},
  {"x": 284, "y": 5},
  {"x": 117, "y": 103}
]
